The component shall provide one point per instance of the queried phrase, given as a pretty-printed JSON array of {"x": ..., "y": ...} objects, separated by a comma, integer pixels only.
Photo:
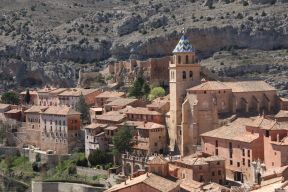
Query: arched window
[
  {"x": 190, "y": 74},
  {"x": 184, "y": 74},
  {"x": 187, "y": 59},
  {"x": 179, "y": 59}
]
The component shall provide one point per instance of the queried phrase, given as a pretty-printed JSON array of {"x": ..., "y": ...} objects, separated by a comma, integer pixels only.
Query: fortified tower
[{"x": 184, "y": 72}]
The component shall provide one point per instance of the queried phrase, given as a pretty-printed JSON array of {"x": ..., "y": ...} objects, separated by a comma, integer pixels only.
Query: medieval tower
[{"x": 184, "y": 72}]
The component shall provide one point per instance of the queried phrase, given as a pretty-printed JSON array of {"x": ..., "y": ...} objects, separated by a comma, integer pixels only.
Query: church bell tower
[{"x": 184, "y": 70}]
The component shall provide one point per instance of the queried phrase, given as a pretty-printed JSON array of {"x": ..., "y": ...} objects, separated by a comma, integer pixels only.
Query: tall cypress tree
[{"x": 27, "y": 97}]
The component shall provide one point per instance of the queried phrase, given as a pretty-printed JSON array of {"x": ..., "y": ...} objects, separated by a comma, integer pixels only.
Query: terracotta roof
[
  {"x": 75, "y": 92},
  {"x": 215, "y": 187},
  {"x": 35, "y": 109},
  {"x": 121, "y": 102},
  {"x": 159, "y": 102},
  {"x": 159, "y": 159},
  {"x": 46, "y": 89},
  {"x": 249, "y": 86},
  {"x": 192, "y": 160},
  {"x": 269, "y": 124},
  {"x": 57, "y": 91},
  {"x": 139, "y": 110},
  {"x": 4, "y": 106},
  {"x": 111, "y": 116},
  {"x": 95, "y": 126},
  {"x": 282, "y": 113},
  {"x": 108, "y": 94},
  {"x": 159, "y": 183},
  {"x": 191, "y": 185},
  {"x": 235, "y": 130},
  {"x": 96, "y": 109},
  {"x": 111, "y": 128},
  {"x": 60, "y": 110},
  {"x": 150, "y": 125},
  {"x": 275, "y": 171},
  {"x": 210, "y": 85}
]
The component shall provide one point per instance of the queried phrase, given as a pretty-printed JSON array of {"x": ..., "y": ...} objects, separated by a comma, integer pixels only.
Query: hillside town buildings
[
  {"x": 204, "y": 135},
  {"x": 50, "y": 96},
  {"x": 52, "y": 128}
]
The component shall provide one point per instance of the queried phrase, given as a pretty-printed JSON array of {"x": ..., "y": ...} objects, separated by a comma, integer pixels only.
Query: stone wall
[
  {"x": 9, "y": 151},
  {"x": 63, "y": 187},
  {"x": 51, "y": 160},
  {"x": 85, "y": 171}
]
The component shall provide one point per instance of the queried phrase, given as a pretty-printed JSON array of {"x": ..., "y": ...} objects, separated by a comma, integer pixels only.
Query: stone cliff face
[
  {"x": 38, "y": 48},
  {"x": 208, "y": 40}
]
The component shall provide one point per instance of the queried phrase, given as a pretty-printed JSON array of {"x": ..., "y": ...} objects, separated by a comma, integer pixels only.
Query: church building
[{"x": 197, "y": 106}]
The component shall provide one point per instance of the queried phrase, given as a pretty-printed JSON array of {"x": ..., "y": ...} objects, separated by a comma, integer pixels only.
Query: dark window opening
[
  {"x": 179, "y": 59},
  {"x": 184, "y": 74}
]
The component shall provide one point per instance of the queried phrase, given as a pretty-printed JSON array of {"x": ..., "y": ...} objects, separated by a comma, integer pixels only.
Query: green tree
[
  {"x": 156, "y": 92},
  {"x": 27, "y": 97},
  {"x": 83, "y": 108},
  {"x": 98, "y": 157},
  {"x": 139, "y": 89},
  {"x": 122, "y": 140},
  {"x": 10, "y": 98}
]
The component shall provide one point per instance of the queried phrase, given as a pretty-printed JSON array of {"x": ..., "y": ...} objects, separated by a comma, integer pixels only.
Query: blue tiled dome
[{"x": 183, "y": 46}]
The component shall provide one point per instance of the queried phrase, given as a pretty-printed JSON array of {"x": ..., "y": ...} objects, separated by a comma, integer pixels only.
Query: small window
[
  {"x": 187, "y": 59},
  {"x": 238, "y": 164},
  {"x": 243, "y": 161},
  {"x": 190, "y": 74},
  {"x": 267, "y": 134},
  {"x": 231, "y": 162},
  {"x": 179, "y": 59},
  {"x": 184, "y": 74},
  {"x": 213, "y": 173},
  {"x": 219, "y": 172}
]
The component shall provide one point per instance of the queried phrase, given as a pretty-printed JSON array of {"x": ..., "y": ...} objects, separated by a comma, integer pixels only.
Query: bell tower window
[
  {"x": 184, "y": 74},
  {"x": 190, "y": 74},
  {"x": 179, "y": 59},
  {"x": 187, "y": 59}
]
